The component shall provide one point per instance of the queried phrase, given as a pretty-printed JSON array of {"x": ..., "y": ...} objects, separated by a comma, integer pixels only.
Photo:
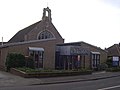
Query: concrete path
[{"x": 7, "y": 79}]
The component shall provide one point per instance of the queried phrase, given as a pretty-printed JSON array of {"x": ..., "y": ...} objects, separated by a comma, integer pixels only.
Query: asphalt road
[{"x": 102, "y": 84}]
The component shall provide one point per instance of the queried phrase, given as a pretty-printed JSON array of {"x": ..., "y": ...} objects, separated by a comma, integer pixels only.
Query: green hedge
[
  {"x": 113, "y": 69},
  {"x": 109, "y": 62},
  {"x": 14, "y": 60}
]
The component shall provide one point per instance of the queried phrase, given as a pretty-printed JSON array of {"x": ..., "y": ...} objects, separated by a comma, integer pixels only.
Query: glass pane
[{"x": 45, "y": 34}]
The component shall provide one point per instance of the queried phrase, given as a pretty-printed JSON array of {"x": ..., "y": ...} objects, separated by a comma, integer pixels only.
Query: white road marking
[{"x": 109, "y": 87}]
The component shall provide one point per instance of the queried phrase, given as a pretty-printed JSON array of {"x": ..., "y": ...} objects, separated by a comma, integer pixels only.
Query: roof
[
  {"x": 22, "y": 34},
  {"x": 25, "y": 42},
  {"x": 79, "y": 44},
  {"x": 19, "y": 36},
  {"x": 114, "y": 50}
]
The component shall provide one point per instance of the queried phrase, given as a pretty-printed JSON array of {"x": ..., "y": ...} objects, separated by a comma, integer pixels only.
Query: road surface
[{"x": 102, "y": 84}]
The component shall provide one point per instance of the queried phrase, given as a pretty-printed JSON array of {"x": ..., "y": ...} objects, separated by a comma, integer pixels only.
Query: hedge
[{"x": 14, "y": 60}]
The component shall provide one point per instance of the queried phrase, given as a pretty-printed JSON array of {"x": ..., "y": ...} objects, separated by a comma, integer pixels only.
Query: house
[
  {"x": 37, "y": 40},
  {"x": 114, "y": 54},
  {"x": 79, "y": 55}
]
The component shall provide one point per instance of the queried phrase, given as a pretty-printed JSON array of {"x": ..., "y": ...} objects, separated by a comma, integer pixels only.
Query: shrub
[
  {"x": 14, "y": 60},
  {"x": 109, "y": 62},
  {"x": 113, "y": 69},
  {"x": 102, "y": 66}
]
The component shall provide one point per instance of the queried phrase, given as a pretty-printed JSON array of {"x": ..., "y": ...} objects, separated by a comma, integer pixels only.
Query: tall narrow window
[{"x": 95, "y": 59}]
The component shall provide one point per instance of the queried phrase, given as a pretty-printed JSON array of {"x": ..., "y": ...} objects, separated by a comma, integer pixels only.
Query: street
[{"x": 102, "y": 84}]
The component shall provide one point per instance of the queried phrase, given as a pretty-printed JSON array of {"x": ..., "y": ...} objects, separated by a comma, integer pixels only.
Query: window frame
[{"x": 45, "y": 35}]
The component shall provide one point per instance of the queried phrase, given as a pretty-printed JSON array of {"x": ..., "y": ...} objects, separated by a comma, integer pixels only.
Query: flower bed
[{"x": 31, "y": 73}]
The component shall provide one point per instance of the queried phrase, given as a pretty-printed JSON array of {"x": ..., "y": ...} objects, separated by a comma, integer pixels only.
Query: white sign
[{"x": 115, "y": 58}]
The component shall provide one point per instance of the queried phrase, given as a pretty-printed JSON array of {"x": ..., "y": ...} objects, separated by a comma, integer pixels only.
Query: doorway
[{"x": 37, "y": 55}]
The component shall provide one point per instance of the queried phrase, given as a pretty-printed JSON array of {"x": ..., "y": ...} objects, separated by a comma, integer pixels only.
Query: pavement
[{"x": 10, "y": 80}]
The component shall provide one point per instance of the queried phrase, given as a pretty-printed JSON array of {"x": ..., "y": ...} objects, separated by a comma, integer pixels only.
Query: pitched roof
[
  {"x": 19, "y": 36},
  {"x": 114, "y": 50}
]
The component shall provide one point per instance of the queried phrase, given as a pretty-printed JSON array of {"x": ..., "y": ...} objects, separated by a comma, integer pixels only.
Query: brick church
[
  {"x": 38, "y": 40},
  {"x": 43, "y": 42}
]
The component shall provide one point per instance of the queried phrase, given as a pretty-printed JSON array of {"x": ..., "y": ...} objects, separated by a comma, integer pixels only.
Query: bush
[
  {"x": 14, "y": 60},
  {"x": 109, "y": 62},
  {"x": 113, "y": 69},
  {"x": 102, "y": 66}
]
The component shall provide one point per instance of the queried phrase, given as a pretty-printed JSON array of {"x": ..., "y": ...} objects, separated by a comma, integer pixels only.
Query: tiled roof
[
  {"x": 114, "y": 50},
  {"x": 19, "y": 36},
  {"x": 22, "y": 35}
]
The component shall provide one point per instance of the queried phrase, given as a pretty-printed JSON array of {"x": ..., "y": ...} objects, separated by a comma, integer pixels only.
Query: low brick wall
[
  {"x": 46, "y": 74},
  {"x": 18, "y": 72}
]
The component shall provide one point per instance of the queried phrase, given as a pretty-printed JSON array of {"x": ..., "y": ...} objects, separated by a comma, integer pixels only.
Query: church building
[
  {"x": 44, "y": 43},
  {"x": 37, "y": 40}
]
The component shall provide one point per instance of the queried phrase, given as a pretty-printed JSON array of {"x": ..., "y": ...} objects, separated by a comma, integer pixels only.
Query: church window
[{"x": 45, "y": 35}]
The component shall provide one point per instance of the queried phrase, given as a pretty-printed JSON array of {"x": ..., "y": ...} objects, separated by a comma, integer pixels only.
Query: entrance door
[{"x": 37, "y": 55}]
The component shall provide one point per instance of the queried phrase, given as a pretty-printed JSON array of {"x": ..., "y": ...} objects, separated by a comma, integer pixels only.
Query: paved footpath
[{"x": 7, "y": 79}]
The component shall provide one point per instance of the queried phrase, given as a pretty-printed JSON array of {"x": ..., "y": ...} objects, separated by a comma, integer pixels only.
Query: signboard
[
  {"x": 72, "y": 50},
  {"x": 115, "y": 58},
  {"x": 78, "y": 50},
  {"x": 115, "y": 61}
]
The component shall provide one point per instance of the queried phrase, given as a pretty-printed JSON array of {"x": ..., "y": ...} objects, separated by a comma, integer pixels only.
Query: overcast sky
[{"x": 96, "y": 22}]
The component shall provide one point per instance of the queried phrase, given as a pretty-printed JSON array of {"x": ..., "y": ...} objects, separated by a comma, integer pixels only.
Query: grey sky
[
  {"x": 114, "y": 3},
  {"x": 94, "y": 21}
]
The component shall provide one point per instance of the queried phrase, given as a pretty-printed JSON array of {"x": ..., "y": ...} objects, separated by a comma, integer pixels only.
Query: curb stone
[{"x": 79, "y": 80}]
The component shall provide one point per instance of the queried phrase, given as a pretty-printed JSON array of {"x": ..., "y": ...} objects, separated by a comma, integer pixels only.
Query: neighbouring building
[
  {"x": 114, "y": 54},
  {"x": 38, "y": 40},
  {"x": 79, "y": 55}
]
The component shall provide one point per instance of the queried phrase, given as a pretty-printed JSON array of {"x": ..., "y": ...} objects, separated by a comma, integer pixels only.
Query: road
[{"x": 102, "y": 84}]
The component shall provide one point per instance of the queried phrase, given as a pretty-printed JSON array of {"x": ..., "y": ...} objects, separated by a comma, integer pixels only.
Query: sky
[{"x": 96, "y": 22}]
